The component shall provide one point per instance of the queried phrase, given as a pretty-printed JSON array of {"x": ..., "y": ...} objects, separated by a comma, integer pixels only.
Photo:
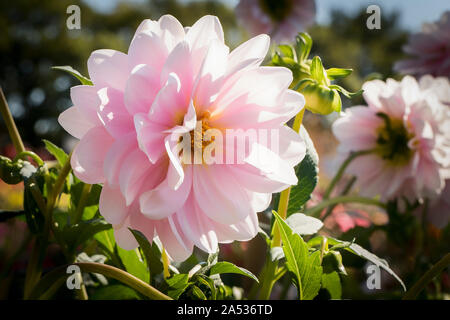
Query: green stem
[
  {"x": 315, "y": 211},
  {"x": 107, "y": 270},
  {"x": 427, "y": 277},
  {"x": 344, "y": 192},
  {"x": 30, "y": 154},
  {"x": 82, "y": 203},
  {"x": 10, "y": 125},
  {"x": 341, "y": 170}
]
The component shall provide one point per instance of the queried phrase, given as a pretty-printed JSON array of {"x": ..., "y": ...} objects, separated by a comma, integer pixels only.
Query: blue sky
[{"x": 413, "y": 12}]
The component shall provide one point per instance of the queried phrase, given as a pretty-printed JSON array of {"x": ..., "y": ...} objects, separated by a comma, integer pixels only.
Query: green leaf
[
  {"x": 286, "y": 51},
  {"x": 305, "y": 267},
  {"x": 60, "y": 155},
  {"x": 34, "y": 217},
  {"x": 332, "y": 283},
  {"x": 303, "y": 46},
  {"x": 198, "y": 293},
  {"x": 177, "y": 285},
  {"x": 228, "y": 267},
  {"x": 151, "y": 252},
  {"x": 93, "y": 197},
  {"x": 75, "y": 235},
  {"x": 114, "y": 292},
  {"x": 303, "y": 224},
  {"x": 106, "y": 239},
  {"x": 337, "y": 73},
  {"x": 346, "y": 93},
  {"x": 317, "y": 70},
  {"x": 75, "y": 73},
  {"x": 201, "y": 279},
  {"x": 133, "y": 263},
  {"x": 363, "y": 253},
  {"x": 307, "y": 173},
  {"x": 107, "y": 244}
]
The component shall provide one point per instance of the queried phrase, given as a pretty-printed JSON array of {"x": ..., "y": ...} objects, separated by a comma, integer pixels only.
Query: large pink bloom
[
  {"x": 430, "y": 50},
  {"x": 282, "y": 19},
  {"x": 131, "y": 120},
  {"x": 407, "y": 127}
]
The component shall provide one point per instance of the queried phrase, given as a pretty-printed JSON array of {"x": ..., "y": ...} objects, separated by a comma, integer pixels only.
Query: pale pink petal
[
  {"x": 197, "y": 226},
  {"x": 219, "y": 194},
  {"x": 113, "y": 113},
  {"x": 163, "y": 200},
  {"x": 178, "y": 247},
  {"x": 116, "y": 155},
  {"x": 108, "y": 68},
  {"x": 88, "y": 156},
  {"x": 74, "y": 122},
  {"x": 249, "y": 54},
  {"x": 112, "y": 205},
  {"x": 205, "y": 30},
  {"x": 86, "y": 99},
  {"x": 141, "y": 89},
  {"x": 147, "y": 48},
  {"x": 124, "y": 237}
]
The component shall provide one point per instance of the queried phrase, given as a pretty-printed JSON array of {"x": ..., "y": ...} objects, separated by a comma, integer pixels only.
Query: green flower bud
[
  {"x": 321, "y": 99},
  {"x": 10, "y": 171}
]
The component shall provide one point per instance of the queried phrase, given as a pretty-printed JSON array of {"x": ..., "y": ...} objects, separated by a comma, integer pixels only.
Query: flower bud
[{"x": 321, "y": 99}]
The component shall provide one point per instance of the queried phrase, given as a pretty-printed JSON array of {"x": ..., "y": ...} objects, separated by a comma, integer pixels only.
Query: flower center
[
  {"x": 198, "y": 142},
  {"x": 277, "y": 10},
  {"x": 392, "y": 141}
]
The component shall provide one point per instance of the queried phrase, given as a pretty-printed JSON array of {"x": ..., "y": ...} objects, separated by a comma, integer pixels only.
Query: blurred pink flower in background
[
  {"x": 407, "y": 129},
  {"x": 341, "y": 217},
  {"x": 281, "y": 19},
  {"x": 347, "y": 219},
  {"x": 131, "y": 120},
  {"x": 440, "y": 87},
  {"x": 430, "y": 50}
]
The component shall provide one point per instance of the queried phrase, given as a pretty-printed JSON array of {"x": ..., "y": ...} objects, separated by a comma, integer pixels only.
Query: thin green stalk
[
  {"x": 427, "y": 277},
  {"x": 10, "y": 125},
  {"x": 108, "y": 271},
  {"x": 344, "y": 192},
  {"x": 32, "y": 155},
  {"x": 341, "y": 170},
  {"x": 315, "y": 211},
  {"x": 82, "y": 203}
]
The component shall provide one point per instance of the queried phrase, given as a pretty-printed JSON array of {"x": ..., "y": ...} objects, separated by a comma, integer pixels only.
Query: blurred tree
[{"x": 347, "y": 42}]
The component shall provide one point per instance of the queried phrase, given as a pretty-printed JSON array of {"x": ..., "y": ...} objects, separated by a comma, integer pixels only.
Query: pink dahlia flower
[
  {"x": 282, "y": 19},
  {"x": 174, "y": 84},
  {"x": 430, "y": 50},
  {"x": 407, "y": 129}
]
